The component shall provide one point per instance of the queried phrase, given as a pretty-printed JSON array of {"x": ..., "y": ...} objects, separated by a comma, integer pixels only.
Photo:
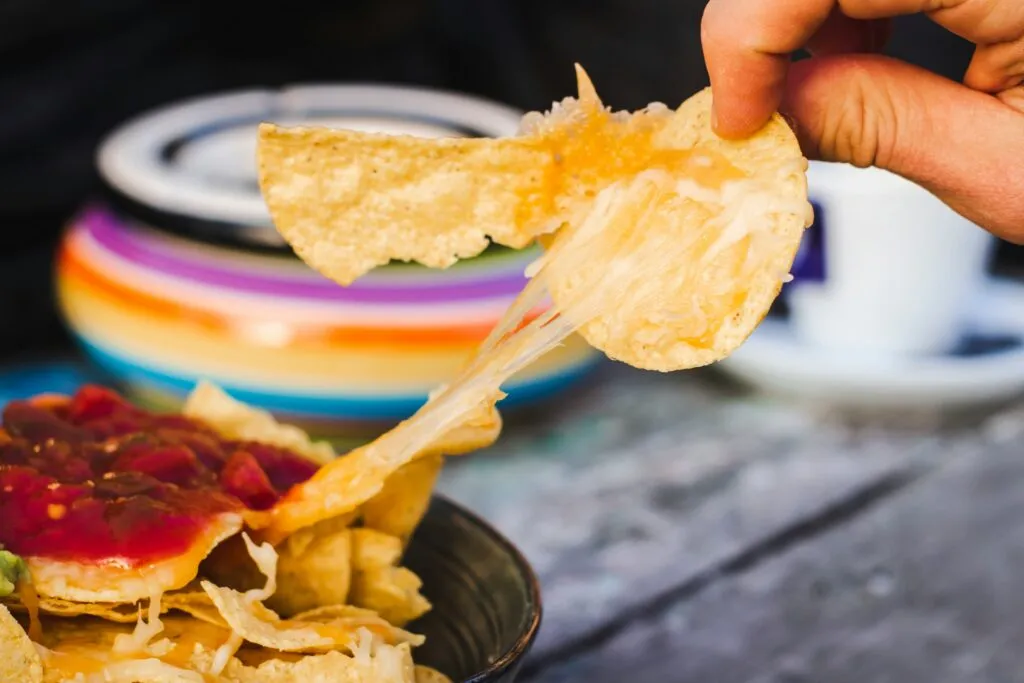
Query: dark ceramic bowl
[{"x": 486, "y": 599}]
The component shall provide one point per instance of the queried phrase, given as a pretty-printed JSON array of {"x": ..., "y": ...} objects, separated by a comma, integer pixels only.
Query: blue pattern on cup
[{"x": 809, "y": 264}]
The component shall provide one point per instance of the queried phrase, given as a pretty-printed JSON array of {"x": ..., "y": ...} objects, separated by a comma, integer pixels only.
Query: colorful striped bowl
[{"x": 159, "y": 307}]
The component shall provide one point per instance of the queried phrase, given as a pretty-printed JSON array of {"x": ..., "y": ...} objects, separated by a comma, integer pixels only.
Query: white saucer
[{"x": 775, "y": 361}]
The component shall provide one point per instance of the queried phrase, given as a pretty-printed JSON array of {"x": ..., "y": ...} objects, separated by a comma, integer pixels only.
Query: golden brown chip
[
  {"x": 674, "y": 269},
  {"x": 424, "y": 674},
  {"x": 313, "y": 569},
  {"x": 138, "y": 670},
  {"x": 380, "y": 585},
  {"x": 392, "y": 592},
  {"x": 189, "y": 653},
  {"x": 372, "y": 548},
  {"x": 374, "y": 663},
  {"x": 398, "y": 509},
  {"x": 342, "y": 486},
  {"x": 251, "y": 621},
  {"x": 672, "y": 243},
  {"x": 192, "y": 601},
  {"x": 348, "y": 202},
  {"x": 87, "y": 645},
  {"x": 478, "y": 429},
  {"x": 19, "y": 660},
  {"x": 331, "y": 612},
  {"x": 195, "y": 603},
  {"x": 259, "y": 625},
  {"x": 235, "y": 420},
  {"x": 118, "y": 612}
]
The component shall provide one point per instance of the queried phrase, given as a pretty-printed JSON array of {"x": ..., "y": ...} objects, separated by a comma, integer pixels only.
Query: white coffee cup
[{"x": 900, "y": 267}]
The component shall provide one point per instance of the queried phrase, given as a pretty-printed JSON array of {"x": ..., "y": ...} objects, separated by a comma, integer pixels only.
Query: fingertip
[
  {"x": 739, "y": 119},
  {"x": 747, "y": 89}
]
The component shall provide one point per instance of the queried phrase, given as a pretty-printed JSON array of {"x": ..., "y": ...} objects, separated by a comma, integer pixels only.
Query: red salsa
[{"x": 96, "y": 478}]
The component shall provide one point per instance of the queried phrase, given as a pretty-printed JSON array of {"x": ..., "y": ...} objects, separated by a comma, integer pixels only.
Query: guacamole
[{"x": 12, "y": 570}]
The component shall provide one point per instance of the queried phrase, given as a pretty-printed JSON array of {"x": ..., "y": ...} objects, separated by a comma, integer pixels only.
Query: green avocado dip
[{"x": 12, "y": 570}]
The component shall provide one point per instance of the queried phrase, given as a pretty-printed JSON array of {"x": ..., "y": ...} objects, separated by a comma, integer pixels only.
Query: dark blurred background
[{"x": 69, "y": 72}]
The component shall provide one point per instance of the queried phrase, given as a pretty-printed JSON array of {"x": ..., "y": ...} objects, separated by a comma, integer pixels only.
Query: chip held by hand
[{"x": 666, "y": 244}]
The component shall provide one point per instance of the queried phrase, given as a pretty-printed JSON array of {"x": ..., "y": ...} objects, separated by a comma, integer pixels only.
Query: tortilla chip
[
  {"x": 331, "y": 612},
  {"x": 192, "y": 601},
  {"x": 476, "y": 430},
  {"x": 340, "y": 487},
  {"x": 372, "y": 549},
  {"x": 251, "y": 621},
  {"x": 313, "y": 569},
  {"x": 19, "y": 660},
  {"x": 671, "y": 243},
  {"x": 374, "y": 662},
  {"x": 135, "y": 670},
  {"x": 348, "y": 202},
  {"x": 380, "y": 585},
  {"x": 257, "y": 624},
  {"x": 424, "y": 674},
  {"x": 713, "y": 252},
  {"x": 124, "y": 613},
  {"x": 235, "y": 420},
  {"x": 195, "y": 603},
  {"x": 392, "y": 592},
  {"x": 86, "y": 644},
  {"x": 400, "y": 506}
]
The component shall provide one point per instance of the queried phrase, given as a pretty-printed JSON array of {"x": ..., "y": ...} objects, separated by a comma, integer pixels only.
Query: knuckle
[{"x": 860, "y": 128}]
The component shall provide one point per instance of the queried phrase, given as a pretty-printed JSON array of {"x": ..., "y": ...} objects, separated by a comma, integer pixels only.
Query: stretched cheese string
[
  {"x": 513, "y": 345},
  {"x": 344, "y": 484}
]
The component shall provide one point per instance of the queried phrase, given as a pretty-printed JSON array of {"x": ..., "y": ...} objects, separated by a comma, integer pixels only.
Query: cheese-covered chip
[
  {"x": 667, "y": 244},
  {"x": 19, "y": 660},
  {"x": 348, "y": 202}
]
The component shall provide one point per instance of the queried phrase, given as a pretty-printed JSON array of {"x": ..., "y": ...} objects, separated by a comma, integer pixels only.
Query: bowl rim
[{"x": 514, "y": 654}]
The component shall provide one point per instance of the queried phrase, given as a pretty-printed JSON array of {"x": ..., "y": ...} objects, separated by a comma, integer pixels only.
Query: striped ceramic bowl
[{"x": 179, "y": 275}]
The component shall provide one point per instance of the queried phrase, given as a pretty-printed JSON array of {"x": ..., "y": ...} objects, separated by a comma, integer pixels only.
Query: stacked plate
[{"x": 179, "y": 275}]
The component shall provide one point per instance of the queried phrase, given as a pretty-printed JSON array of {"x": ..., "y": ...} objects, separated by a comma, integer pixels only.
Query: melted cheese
[
  {"x": 592, "y": 147},
  {"x": 30, "y": 600},
  {"x": 265, "y": 558},
  {"x": 145, "y": 631}
]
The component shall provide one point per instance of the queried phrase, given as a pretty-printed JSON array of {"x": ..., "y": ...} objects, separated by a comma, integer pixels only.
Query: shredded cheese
[{"x": 145, "y": 630}]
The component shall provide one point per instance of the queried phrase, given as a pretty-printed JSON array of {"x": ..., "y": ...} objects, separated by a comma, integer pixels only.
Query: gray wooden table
[{"x": 685, "y": 529}]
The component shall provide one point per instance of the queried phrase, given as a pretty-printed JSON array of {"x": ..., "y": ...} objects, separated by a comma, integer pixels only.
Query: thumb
[{"x": 965, "y": 146}]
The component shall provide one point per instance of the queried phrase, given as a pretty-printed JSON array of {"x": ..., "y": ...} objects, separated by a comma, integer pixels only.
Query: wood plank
[
  {"x": 649, "y": 481},
  {"x": 924, "y": 586}
]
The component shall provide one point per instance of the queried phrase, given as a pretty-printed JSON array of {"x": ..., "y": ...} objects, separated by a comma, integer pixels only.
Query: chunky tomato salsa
[{"x": 94, "y": 478}]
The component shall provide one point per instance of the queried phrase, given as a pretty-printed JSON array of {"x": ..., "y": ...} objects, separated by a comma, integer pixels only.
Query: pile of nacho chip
[{"x": 328, "y": 603}]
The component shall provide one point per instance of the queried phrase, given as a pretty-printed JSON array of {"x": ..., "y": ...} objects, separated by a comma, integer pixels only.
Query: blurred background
[
  {"x": 662, "y": 481},
  {"x": 71, "y": 73}
]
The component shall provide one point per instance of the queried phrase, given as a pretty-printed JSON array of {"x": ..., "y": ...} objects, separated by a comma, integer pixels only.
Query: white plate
[{"x": 774, "y": 360}]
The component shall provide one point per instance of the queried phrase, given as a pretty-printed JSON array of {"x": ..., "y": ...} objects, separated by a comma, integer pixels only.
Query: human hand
[{"x": 964, "y": 142}]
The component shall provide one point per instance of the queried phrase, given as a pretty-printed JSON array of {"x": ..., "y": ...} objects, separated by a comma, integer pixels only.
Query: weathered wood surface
[{"x": 687, "y": 531}]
